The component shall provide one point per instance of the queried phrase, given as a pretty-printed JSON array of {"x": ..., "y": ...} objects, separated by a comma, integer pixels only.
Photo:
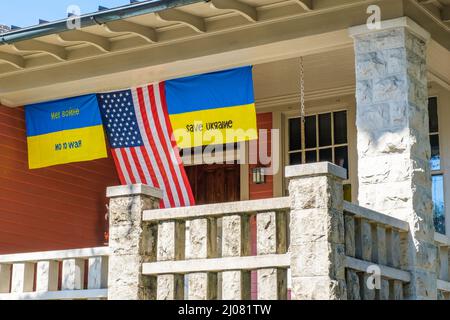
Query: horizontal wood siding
[
  {"x": 61, "y": 207},
  {"x": 260, "y": 191},
  {"x": 265, "y": 190}
]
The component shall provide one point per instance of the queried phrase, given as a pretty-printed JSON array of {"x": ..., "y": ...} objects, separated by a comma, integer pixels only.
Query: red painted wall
[
  {"x": 55, "y": 208},
  {"x": 265, "y": 190},
  {"x": 260, "y": 191}
]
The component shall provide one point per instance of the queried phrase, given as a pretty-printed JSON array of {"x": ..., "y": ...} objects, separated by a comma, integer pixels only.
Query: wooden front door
[{"x": 215, "y": 183}]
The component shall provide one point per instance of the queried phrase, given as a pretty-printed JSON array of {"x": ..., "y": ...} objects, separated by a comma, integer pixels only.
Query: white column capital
[
  {"x": 133, "y": 190},
  {"x": 403, "y": 22}
]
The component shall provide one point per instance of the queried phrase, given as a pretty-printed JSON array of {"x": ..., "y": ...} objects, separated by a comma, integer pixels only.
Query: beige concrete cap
[
  {"x": 133, "y": 190},
  {"x": 316, "y": 169}
]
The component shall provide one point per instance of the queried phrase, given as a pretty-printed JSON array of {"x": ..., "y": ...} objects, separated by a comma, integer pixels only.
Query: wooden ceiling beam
[
  {"x": 12, "y": 59},
  {"x": 38, "y": 46},
  {"x": 305, "y": 4},
  {"x": 121, "y": 26},
  {"x": 101, "y": 43},
  {"x": 173, "y": 15},
  {"x": 247, "y": 11}
]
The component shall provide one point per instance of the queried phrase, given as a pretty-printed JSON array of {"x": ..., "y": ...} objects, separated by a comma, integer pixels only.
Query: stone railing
[
  {"x": 194, "y": 259},
  {"x": 373, "y": 247},
  {"x": 55, "y": 275},
  {"x": 443, "y": 272},
  {"x": 331, "y": 249},
  {"x": 313, "y": 243}
]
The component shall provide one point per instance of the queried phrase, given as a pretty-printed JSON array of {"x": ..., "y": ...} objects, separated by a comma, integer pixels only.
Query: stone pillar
[
  {"x": 393, "y": 142},
  {"x": 317, "y": 231},
  {"x": 131, "y": 241}
]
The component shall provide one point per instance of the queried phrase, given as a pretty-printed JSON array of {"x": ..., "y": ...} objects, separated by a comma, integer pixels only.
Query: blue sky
[{"x": 25, "y": 13}]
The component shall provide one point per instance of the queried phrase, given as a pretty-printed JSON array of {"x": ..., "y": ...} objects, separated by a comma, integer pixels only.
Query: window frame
[
  {"x": 303, "y": 150},
  {"x": 439, "y": 172}
]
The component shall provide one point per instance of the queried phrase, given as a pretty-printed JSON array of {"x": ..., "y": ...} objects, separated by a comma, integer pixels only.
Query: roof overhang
[{"x": 198, "y": 37}]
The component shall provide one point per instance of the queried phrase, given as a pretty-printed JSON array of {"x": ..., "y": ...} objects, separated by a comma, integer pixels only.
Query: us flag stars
[{"x": 120, "y": 119}]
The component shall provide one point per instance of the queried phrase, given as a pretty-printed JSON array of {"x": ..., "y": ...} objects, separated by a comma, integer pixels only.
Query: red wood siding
[
  {"x": 260, "y": 191},
  {"x": 265, "y": 190},
  {"x": 55, "y": 208}
]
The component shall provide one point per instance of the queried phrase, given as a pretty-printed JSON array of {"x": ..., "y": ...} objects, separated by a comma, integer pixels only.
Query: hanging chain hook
[{"x": 302, "y": 90}]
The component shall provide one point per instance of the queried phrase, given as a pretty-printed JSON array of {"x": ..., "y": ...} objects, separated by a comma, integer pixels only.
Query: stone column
[
  {"x": 393, "y": 142},
  {"x": 131, "y": 241},
  {"x": 317, "y": 231}
]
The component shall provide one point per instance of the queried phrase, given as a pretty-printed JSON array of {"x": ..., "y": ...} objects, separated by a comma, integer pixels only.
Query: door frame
[{"x": 241, "y": 156}]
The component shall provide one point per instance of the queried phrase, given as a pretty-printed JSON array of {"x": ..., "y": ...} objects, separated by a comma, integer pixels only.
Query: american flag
[{"x": 141, "y": 137}]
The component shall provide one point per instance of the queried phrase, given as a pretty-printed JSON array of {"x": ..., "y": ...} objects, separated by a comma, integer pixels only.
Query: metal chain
[{"x": 302, "y": 90}]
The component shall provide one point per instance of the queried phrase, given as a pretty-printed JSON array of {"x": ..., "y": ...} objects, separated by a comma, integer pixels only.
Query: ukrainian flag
[
  {"x": 213, "y": 108},
  {"x": 64, "y": 131}
]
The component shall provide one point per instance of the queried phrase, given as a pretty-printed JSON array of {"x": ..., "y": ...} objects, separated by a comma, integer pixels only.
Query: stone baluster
[
  {"x": 98, "y": 273},
  {"x": 47, "y": 276},
  {"x": 202, "y": 238},
  {"x": 235, "y": 243},
  {"x": 317, "y": 231},
  {"x": 444, "y": 259},
  {"x": 132, "y": 242},
  {"x": 73, "y": 274},
  {"x": 171, "y": 247},
  {"x": 271, "y": 239},
  {"x": 382, "y": 259},
  {"x": 5, "y": 278},
  {"x": 22, "y": 277}
]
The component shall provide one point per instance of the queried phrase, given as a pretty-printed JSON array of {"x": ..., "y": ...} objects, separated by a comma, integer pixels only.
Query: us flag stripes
[{"x": 141, "y": 137}]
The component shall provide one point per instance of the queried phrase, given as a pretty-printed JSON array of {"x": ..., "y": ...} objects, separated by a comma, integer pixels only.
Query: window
[
  {"x": 435, "y": 164},
  {"x": 323, "y": 137}
]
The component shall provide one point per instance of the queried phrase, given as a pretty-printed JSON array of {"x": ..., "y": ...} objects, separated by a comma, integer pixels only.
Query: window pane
[
  {"x": 311, "y": 157},
  {"x": 435, "y": 154},
  {"x": 295, "y": 141},
  {"x": 340, "y": 127},
  {"x": 433, "y": 115},
  {"x": 310, "y": 132},
  {"x": 341, "y": 157},
  {"x": 326, "y": 155},
  {"x": 295, "y": 158},
  {"x": 325, "y": 130},
  {"x": 438, "y": 203}
]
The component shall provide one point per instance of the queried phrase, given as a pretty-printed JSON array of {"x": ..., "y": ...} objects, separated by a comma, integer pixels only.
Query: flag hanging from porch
[
  {"x": 147, "y": 125},
  {"x": 140, "y": 135},
  {"x": 64, "y": 131},
  {"x": 213, "y": 108}
]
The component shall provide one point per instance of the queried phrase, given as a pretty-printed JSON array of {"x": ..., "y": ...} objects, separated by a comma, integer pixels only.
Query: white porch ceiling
[{"x": 222, "y": 33}]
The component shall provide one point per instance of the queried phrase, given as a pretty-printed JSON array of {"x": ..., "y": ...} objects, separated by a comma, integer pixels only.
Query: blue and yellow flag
[
  {"x": 213, "y": 108},
  {"x": 64, "y": 131}
]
